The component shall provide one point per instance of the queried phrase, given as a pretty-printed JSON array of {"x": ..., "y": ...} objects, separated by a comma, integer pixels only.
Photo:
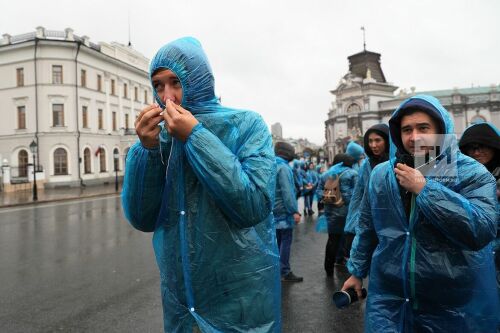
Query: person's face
[
  {"x": 311, "y": 166},
  {"x": 418, "y": 133},
  {"x": 167, "y": 86},
  {"x": 376, "y": 144},
  {"x": 480, "y": 153}
]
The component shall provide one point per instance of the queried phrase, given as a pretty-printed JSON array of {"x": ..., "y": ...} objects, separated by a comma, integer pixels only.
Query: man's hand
[
  {"x": 146, "y": 125},
  {"x": 296, "y": 218},
  {"x": 179, "y": 122},
  {"x": 410, "y": 179},
  {"x": 354, "y": 283}
]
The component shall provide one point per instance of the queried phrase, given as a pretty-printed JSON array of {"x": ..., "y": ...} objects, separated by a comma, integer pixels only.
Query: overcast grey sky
[{"x": 281, "y": 58}]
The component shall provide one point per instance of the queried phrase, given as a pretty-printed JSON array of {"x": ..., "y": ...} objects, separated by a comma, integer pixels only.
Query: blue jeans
[{"x": 284, "y": 238}]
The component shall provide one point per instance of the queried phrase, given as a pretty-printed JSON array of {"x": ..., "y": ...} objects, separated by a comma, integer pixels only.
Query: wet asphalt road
[{"x": 79, "y": 267}]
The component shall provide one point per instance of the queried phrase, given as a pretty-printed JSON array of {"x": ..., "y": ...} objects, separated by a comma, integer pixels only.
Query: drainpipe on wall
[
  {"x": 77, "y": 117},
  {"x": 36, "y": 107}
]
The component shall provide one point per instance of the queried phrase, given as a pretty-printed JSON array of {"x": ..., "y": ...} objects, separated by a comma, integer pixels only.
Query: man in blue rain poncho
[
  {"x": 204, "y": 181},
  {"x": 425, "y": 240}
]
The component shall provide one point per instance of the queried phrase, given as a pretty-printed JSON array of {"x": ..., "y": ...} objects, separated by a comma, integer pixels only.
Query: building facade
[
  {"x": 75, "y": 99},
  {"x": 277, "y": 131},
  {"x": 364, "y": 98}
]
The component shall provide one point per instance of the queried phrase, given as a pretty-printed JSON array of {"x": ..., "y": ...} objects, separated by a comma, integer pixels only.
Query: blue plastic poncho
[
  {"x": 348, "y": 179},
  {"x": 297, "y": 177},
  {"x": 364, "y": 171},
  {"x": 488, "y": 135},
  {"x": 353, "y": 209},
  {"x": 434, "y": 273},
  {"x": 356, "y": 151},
  {"x": 210, "y": 208},
  {"x": 285, "y": 204},
  {"x": 302, "y": 176}
]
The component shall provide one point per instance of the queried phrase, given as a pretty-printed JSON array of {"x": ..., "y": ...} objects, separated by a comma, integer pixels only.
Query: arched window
[
  {"x": 60, "y": 162},
  {"x": 477, "y": 119},
  {"x": 116, "y": 161},
  {"x": 87, "y": 161},
  {"x": 22, "y": 163},
  {"x": 102, "y": 159},
  {"x": 353, "y": 108}
]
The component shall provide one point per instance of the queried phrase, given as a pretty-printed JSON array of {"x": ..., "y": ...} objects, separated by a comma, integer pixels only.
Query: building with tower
[{"x": 363, "y": 98}]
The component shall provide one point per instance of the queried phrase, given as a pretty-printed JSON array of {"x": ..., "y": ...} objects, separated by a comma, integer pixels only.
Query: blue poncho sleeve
[
  {"x": 143, "y": 183},
  {"x": 365, "y": 240},
  {"x": 467, "y": 218},
  {"x": 348, "y": 182},
  {"x": 285, "y": 181},
  {"x": 238, "y": 183},
  {"x": 357, "y": 196}
]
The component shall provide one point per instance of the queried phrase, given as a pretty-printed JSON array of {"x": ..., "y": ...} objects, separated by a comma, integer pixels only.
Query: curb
[{"x": 35, "y": 203}]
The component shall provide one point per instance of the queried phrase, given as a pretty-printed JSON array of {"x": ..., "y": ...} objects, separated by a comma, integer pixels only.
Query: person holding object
[
  {"x": 202, "y": 178},
  {"x": 285, "y": 211},
  {"x": 424, "y": 232}
]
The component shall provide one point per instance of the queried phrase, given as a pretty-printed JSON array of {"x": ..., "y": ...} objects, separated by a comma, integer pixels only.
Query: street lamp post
[
  {"x": 116, "y": 156},
  {"x": 33, "y": 148}
]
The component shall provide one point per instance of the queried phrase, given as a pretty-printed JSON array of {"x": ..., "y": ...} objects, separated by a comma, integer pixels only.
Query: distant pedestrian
[
  {"x": 310, "y": 188},
  {"x": 320, "y": 169},
  {"x": 285, "y": 212},
  {"x": 335, "y": 214}
]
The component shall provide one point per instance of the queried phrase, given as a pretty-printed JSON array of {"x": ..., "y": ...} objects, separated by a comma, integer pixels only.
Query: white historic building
[
  {"x": 363, "y": 98},
  {"x": 75, "y": 99}
]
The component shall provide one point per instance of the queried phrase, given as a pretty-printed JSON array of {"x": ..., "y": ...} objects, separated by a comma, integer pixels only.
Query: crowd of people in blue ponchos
[
  {"x": 409, "y": 207},
  {"x": 422, "y": 227}
]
